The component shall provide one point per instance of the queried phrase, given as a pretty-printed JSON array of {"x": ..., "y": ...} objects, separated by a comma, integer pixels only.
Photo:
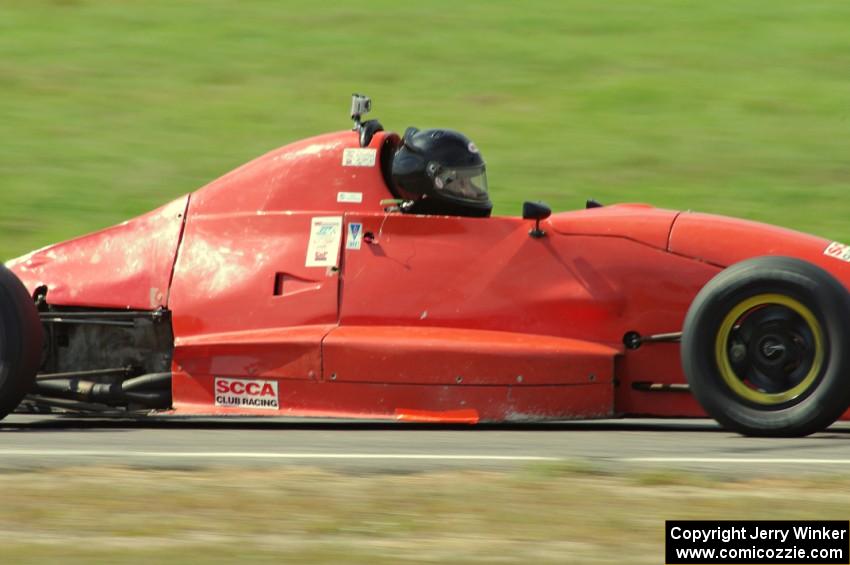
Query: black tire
[
  {"x": 20, "y": 341},
  {"x": 783, "y": 324}
]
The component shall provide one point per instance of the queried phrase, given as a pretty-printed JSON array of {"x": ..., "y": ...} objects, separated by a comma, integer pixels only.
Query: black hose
[
  {"x": 72, "y": 388},
  {"x": 83, "y": 374},
  {"x": 151, "y": 380},
  {"x": 68, "y": 404},
  {"x": 112, "y": 393},
  {"x": 153, "y": 399}
]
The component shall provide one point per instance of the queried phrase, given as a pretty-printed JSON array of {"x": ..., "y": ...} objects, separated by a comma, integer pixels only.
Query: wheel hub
[{"x": 773, "y": 349}]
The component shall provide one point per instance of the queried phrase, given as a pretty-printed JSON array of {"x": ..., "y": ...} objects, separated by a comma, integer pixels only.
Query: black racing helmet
[{"x": 441, "y": 171}]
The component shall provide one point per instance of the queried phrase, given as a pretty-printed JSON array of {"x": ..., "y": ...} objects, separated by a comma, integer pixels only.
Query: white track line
[
  {"x": 257, "y": 455},
  {"x": 732, "y": 460},
  {"x": 393, "y": 456}
]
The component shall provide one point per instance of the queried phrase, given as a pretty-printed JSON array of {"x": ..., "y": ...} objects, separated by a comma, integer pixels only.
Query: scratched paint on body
[{"x": 130, "y": 259}]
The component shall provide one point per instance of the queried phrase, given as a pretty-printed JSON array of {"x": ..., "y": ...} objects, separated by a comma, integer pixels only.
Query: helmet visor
[{"x": 468, "y": 184}]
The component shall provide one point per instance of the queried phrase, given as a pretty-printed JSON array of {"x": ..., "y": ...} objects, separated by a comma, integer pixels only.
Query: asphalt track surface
[{"x": 51, "y": 441}]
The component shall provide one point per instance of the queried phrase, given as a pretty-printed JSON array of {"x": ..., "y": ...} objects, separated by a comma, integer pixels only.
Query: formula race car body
[{"x": 291, "y": 286}]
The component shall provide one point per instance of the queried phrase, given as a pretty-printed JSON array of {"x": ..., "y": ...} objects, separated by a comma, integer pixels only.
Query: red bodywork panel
[
  {"x": 444, "y": 356},
  {"x": 726, "y": 241},
  {"x": 127, "y": 266},
  {"x": 419, "y": 318},
  {"x": 639, "y": 222}
]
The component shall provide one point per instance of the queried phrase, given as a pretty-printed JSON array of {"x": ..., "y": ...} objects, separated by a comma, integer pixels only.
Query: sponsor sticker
[
  {"x": 246, "y": 393},
  {"x": 355, "y": 236},
  {"x": 352, "y": 197},
  {"x": 325, "y": 237},
  {"x": 359, "y": 157},
  {"x": 838, "y": 251}
]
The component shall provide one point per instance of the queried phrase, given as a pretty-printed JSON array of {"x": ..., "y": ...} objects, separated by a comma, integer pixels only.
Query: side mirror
[{"x": 536, "y": 211}]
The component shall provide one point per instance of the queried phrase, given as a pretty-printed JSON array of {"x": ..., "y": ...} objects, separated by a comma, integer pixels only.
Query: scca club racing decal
[{"x": 245, "y": 393}]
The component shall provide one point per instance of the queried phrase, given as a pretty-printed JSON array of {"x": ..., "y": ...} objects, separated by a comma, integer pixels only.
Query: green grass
[
  {"x": 297, "y": 515},
  {"x": 111, "y": 107}
]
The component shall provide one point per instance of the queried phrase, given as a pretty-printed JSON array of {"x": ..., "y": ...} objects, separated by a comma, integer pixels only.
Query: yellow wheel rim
[{"x": 724, "y": 363}]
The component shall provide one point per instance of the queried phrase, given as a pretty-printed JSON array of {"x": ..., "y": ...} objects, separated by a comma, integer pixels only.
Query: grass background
[
  {"x": 109, "y": 108},
  {"x": 555, "y": 513}
]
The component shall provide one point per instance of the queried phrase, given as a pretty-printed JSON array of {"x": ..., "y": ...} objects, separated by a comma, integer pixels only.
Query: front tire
[
  {"x": 20, "y": 341},
  {"x": 763, "y": 347}
]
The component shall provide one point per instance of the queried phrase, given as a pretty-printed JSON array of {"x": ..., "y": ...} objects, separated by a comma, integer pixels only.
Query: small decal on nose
[{"x": 838, "y": 251}]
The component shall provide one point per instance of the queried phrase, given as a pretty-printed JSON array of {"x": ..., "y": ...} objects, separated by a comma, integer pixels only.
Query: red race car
[{"x": 360, "y": 274}]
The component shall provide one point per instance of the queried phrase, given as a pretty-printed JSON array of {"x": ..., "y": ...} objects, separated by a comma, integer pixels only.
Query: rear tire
[
  {"x": 20, "y": 341},
  {"x": 764, "y": 347}
]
